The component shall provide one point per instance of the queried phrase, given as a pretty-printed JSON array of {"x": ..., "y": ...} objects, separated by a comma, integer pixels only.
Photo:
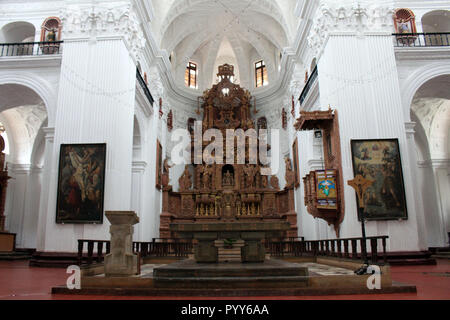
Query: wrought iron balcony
[
  {"x": 30, "y": 48},
  {"x": 308, "y": 85},
  {"x": 437, "y": 39},
  {"x": 144, "y": 87}
]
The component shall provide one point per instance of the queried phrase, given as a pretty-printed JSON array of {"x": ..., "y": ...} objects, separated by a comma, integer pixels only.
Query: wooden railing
[
  {"x": 94, "y": 251},
  {"x": 349, "y": 248}
]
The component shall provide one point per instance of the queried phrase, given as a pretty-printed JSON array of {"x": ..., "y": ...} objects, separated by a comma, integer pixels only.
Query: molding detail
[
  {"x": 349, "y": 19},
  {"x": 104, "y": 21},
  {"x": 409, "y": 127}
]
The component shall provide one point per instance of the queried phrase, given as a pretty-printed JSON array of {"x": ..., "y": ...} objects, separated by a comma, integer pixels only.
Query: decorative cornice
[
  {"x": 20, "y": 168},
  {"x": 349, "y": 19},
  {"x": 422, "y": 53},
  {"x": 49, "y": 133},
  {"x": 409, "y": 127},
  {"x": 139, "y": 166},
  {"x": 103, "y": 21},
  {"x": 434, "y": 163}
]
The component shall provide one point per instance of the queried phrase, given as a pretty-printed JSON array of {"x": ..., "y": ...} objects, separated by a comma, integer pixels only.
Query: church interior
[{"x": 226, "y": 148}]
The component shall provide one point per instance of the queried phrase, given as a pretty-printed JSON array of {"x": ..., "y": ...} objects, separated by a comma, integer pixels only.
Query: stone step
[
  {"x": 235, "y": 282},
  {"x": 191, "y": 269}
]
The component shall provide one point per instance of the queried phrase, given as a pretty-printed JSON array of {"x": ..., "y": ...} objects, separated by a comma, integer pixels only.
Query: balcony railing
[
  {"x": 438, "y": 39},
  {"x": 308, "y": 85},
  {"x": 30, "y": 48},
  {"x": 144, "y": 87}
]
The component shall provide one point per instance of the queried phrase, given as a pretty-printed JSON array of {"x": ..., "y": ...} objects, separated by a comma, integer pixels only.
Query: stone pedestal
[{"x": 121, "y": 261}]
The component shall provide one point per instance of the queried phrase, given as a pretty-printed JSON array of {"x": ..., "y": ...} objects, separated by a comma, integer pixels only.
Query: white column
[
  {"x": 441, "y": 169},
  {"x": 137, "y": 197},
  {"x": 49, "y": 170},
  {"x": 358, "y": 76},
  {"x": 95, "y": 105},
  {"x": 20, "y": 173}
]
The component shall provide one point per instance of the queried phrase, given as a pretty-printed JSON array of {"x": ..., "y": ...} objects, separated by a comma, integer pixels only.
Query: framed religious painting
[
  {"x": 379, "y": 160},
  {"x": 81, "y": 183},
  {"x": 158, "y": 165},
  {"x": 296, "y": 164}
]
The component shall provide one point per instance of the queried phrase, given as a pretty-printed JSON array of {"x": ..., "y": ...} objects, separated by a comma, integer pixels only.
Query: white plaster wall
[{"x": 95, "y": 105}]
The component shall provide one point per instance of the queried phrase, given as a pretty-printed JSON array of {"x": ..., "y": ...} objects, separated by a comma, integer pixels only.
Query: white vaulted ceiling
[{"x": 212, "y": 32}]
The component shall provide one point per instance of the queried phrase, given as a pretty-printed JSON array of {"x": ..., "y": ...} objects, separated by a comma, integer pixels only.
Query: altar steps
[{"x": 19, "y": 254}]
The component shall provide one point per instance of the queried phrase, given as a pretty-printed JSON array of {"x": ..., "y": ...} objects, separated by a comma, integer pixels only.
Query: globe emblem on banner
[{"x": 326, "y": 186}]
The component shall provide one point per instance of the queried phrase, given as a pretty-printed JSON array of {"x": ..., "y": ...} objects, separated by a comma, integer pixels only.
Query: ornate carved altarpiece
[{"x": 228, "y": 192}]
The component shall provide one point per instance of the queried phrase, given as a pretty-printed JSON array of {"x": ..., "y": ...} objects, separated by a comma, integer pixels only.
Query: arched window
[
  {"x": 190, "y": 76},
  {"x": 404, "y": 21},
  {"x": 51, "y": 29},
  {"x": 261, "y": 74}
]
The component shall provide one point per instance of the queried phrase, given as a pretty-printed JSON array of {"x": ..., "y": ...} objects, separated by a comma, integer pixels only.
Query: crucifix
[{"x": 361, "y": 184}]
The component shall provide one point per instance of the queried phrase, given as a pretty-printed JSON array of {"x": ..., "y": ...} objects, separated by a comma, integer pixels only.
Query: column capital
[
  {"x": 20, "y": 168},
  {"x": 49, "y": 133},
  {"x": 349, "y": 18},
  {"x": 103, "y": 21},
  {"x": 139, "y": 166},
  {"x": 409, "y": 127}
]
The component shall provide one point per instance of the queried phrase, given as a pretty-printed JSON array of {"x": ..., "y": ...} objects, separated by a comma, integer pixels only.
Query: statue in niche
[
  {"x": 249, "y": 178},
  {"x": 403, "y": 26},
  {"x": 51, "y": 35},
  {"x": 228, "y": 179},
  {"x": 206, "y": 177},
  {"x": 290, "y": 174},
  {"x": 264, "y": 181},
  {"x": 165, "y": 175},
  {"x": 185, "y": 180},
  {"x": 274, "y": 183}
]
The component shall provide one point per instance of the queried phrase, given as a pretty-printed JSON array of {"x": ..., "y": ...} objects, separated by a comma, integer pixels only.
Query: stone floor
[{"x": 18, "y": 281}]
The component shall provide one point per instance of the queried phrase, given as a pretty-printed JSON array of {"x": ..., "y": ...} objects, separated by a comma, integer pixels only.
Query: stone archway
[
  {"x": 430, "y": 109},
  {"x": 23, "y": 113}
]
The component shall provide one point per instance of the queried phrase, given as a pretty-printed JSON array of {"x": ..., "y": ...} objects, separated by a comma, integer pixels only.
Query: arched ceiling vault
[{"x": 197, "y": 27}]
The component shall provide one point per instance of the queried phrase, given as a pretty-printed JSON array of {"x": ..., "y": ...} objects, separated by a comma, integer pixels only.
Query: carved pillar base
[{"x": 121, "y": 261}]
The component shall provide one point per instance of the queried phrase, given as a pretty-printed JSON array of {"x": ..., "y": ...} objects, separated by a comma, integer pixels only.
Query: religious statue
[
  {"x": 403, "y": 26},
  {"x": 290, "y": 174},
  {"x": 207, "y": 176},
  {"x": 51, "y": 35},
  {"x": 264, "y": 181},
  {"x": 228, "y": 179},
  {"x": 185, "y": 180},
  {"x": 274, "y": 182},
  {"x": 165, "y": 174},
  {"x": 249, "y": 176},
  {"x": 170, "y": 121}
]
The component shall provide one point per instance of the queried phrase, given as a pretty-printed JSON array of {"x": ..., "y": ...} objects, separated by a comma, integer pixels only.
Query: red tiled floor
[{"x": 20, "y": 282}]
